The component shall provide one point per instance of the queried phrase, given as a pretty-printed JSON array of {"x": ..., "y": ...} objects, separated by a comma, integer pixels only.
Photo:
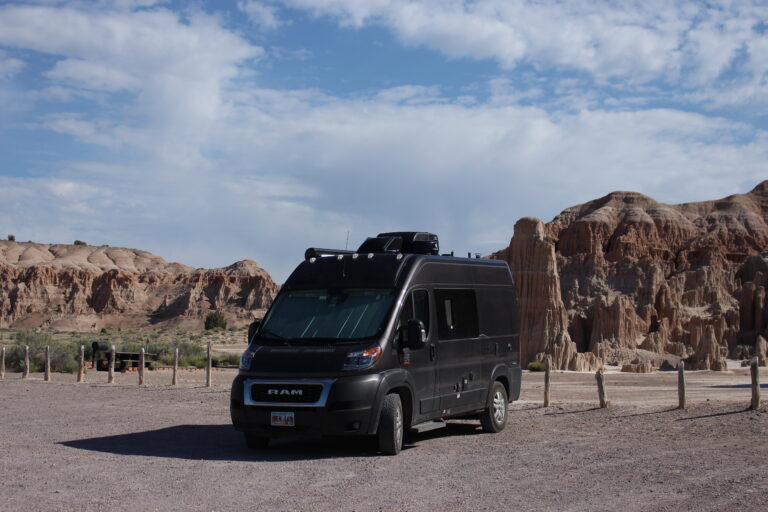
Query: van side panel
[
  {"x": 466, "y": 367},
  {"x": 499, "y": 321}
]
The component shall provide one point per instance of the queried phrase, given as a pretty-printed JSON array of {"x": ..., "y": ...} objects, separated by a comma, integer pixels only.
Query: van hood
[{"x": 299, "y": 360}]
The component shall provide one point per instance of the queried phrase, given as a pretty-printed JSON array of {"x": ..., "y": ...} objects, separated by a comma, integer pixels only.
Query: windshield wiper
[{"x": 274, "y": 335}]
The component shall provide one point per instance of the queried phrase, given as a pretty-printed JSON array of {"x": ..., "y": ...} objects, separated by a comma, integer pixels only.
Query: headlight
[
  {"x": 362, "y": 359},
  {"x": 246, "y": 358}
]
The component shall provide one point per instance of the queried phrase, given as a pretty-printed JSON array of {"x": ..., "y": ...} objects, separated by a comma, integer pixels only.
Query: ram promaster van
[{"x": 377, "y": 341}]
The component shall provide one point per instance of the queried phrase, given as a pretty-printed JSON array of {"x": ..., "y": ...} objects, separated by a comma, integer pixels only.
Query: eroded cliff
[
  {"x": 71, "y": 287},
  {"x": 627, "y": 280}
]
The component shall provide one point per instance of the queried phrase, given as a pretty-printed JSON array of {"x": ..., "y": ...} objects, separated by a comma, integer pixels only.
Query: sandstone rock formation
[
  {"x": 83, "y": 288},
  {"x": 686, "y": 280},
  {"x": 761, "y": 351},
  {"x": 543, "y": 319},
  {"x": 638, "y": 367}
]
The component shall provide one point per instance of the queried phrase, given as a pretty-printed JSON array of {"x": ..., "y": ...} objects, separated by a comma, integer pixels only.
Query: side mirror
[
  {"x": 252, "y": 330},
  {"x": 417, "y": 334}
]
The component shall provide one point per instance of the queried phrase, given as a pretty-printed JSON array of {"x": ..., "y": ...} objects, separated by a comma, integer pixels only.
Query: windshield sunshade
[{"x": 346, "y": 314}]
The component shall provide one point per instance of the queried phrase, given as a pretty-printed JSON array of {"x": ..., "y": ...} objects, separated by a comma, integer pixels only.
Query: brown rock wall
[
  {"x": 68, "y": 287},
  {"x": 543, "y": 318},
  {"x": 630, "y": 273}
]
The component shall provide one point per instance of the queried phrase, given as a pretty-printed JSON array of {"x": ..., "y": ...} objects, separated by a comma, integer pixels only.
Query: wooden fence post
[
  {"x": 601, "y": 389},
  {"x": 47, "y": 377},
  {"x": 141, "y": 366},
  {"x": 81, "y": 365},
  {"x": 681, "y": 384},
  {"x": 111, "y": 374},
  {"x": 755, "y": 371},
  {"x": 547, "y": 365},
  {"x": 2, "y": 363},
  {"x": 25, "y": 373},
  {"x": 208, "y": 368},
  {"x": 175, "y": 366}
]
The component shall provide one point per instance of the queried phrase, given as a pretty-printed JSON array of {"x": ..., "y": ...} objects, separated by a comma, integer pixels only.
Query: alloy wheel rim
[
  {"x": 498, "y": 407},
  {"x": 398, "y": 427}
]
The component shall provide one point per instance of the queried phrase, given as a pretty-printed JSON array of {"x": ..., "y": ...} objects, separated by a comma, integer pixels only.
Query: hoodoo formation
[
  {"x": 626, "y": 280},
  {"x": 76, "y": 287}
]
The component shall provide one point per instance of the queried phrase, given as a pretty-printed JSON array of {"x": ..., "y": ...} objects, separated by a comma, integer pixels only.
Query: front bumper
[{"x": 348, "y": 409}]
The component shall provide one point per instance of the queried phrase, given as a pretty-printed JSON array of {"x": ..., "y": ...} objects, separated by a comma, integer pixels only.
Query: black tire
[
  {"x": 390, "y": 432},
  {"x": 494, "y": 417},
  {"x": 255, "y": 442}
]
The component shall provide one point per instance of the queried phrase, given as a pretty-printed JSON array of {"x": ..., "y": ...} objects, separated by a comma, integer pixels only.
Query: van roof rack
[
  {"x": 316, "y": 252},
  {"x": 408, "y": 242}
]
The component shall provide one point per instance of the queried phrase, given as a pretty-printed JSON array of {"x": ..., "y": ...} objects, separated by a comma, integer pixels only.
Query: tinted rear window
[{"x": 456, "y": 314}]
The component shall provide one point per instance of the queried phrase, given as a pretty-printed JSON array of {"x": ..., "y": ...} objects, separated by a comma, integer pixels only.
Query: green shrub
[
  {"x": 80, "y": 242},
  {"x": 225, "y": 360},
  {"x": 536, "y": 366},
  {"x": 215, "y": 320},
  {"x": 63, "y": 354},
  {"x": 198, "y": 362},
  {"x": 11, "y": 238},
  {"x": 189, "y": 353}
]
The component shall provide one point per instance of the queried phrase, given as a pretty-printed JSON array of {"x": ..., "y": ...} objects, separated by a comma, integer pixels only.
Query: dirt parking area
[{"x": 94, "y": 446}]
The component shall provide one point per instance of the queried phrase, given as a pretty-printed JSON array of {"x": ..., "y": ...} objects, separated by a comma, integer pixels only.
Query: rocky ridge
[
  {"x": 77, "y": 287},
  {"x": 625, "y": 280}
]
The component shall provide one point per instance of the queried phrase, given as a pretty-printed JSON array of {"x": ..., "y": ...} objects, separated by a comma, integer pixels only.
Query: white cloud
[
  {"x": 293, "y": 177},
  {"x": 204, "y": 166},
  {"x": 260, "y": 13},
  {"x": 93, "y": 75},
  {"x": 409, "y": 94},
  {"x": 688, "y": 44},
  {"x": 9, "y": 66}
]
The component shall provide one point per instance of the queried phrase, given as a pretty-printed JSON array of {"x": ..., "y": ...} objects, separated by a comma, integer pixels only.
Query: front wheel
[
  {"x": 390, "y": 432},
  {"x": 494, "y": 418}
]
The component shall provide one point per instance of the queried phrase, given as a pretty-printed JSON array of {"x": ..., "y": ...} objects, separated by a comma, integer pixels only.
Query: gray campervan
[{"x": 378, "y": 341}]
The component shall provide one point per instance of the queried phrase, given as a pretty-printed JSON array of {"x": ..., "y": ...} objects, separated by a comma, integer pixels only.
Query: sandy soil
[{"x": 93, "y": 446}]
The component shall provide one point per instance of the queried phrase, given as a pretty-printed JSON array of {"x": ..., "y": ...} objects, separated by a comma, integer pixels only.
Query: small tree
[
  {"x": 11, "y": 238},
  {"x": 215, "y": 320},
  {"x": 80, "y": 242}
]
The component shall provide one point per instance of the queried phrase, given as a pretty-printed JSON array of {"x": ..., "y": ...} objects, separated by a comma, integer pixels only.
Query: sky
[{"x": 210, "y": 132}]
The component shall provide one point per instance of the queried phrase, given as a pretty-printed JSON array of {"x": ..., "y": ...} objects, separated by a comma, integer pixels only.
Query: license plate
[{"x": 282, "y": 419}]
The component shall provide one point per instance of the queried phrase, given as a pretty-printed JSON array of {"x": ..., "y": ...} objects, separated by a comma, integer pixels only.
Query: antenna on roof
[{"x": 346, "y": 245}]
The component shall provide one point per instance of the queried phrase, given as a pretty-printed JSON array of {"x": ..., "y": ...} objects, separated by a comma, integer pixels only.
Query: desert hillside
[
  {"x": 625, "y": 279},
  {"x": 81, "y": 287}
]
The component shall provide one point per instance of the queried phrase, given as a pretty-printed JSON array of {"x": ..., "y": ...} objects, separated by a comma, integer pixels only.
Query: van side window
[
  {"x": 456, "y": 314},
  {"x": 416, "y": 307}
]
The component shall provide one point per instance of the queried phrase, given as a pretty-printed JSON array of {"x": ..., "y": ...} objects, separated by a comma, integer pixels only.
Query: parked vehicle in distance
[
  {"x": 123, "y": 360},
  {"x": 376, "y": 341}
]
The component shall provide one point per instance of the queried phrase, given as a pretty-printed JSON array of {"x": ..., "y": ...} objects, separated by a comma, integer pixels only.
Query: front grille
[{"x": 286, "y": 393}]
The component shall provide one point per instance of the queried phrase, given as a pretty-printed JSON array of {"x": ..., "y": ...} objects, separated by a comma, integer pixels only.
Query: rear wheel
[
  {"x": 255, "y": 442},
  {"x": 494, "y": 417},
  {"x": 390, "y": 432}
]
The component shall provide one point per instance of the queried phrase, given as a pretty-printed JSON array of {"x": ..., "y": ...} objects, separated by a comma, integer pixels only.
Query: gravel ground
[{"x": 67, "y": 446}]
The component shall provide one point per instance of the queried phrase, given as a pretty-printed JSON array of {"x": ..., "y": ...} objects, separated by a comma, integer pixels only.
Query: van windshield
[{"x": 327, "y": 315}]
